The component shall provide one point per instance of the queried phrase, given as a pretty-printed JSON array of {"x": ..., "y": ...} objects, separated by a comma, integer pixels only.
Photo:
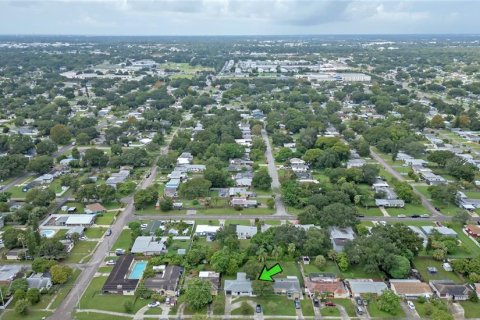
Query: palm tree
[
  {"x": 291, "y": 249},
  {"x": 262, "y": 255},
  {"x": 277, "y": 252}
]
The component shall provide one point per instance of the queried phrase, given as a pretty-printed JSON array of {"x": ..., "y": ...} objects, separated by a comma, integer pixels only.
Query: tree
[
  {"x": 389, "y": 302},
  {"x": 83, "y": 139},
  {"x": 217, "y": 177},
  {"x": 320, "y": 261},
  {"x": 271, "y": 203},
  {"x": 284, "y": 154},
  {"x": 400, "y": 268},
  {"x": 40, "y": 265},
  {"x": 52, "y": 249},
  {"x": 440, "y": 157},
  {"x": 437, "y": 122},
  {"x": 262, "y": 288},
  {"x": 195, "y": 188},
  {"x": 146, "y": 197},
  {"x": 21, "y": 307},
  {"x": 60, "y": 134},
  {"x": 40, "y": 197},
  {"x": 19, "y": 284},
  {"x": 46, "y": 147},
  {"x": 40, "y": 164},
  {"x": 262, "y": 180},
  {"x": 19, "y": 144},
  {"x": 461, "y": 217},
  {"x": 198, "y": 293},
  {"x": 60, "y": 273},
  {"x": 461, "y": 169},
  {"x": 446, "y": 194},
  {"x": 33, "y": 295},
  {"x": 342, "y": 262},
  {"x": 166, "y": 204},
  {"x": 370, "y": 173},
  {"x": 95, "y": 158}
]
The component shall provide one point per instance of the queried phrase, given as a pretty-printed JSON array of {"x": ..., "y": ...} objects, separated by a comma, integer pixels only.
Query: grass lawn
[
  {"x": 80, "y": 250},
  {"x": 106, "y": 219},
  {"x": 218, "y": 305},
  {"x": 422, "y": 263},
  {"x": 347, "y": 304},
  {"x": 290, "y": 268},
  {"x": 330, "y": 312},
  {"x": 276, "y": 305},
  {"x": 97, "y": 316},
  {"x": 307, "y": 307},
  {"x": 94, "y": 299},
  {"x": 222, "y": 211},
  {"x": 370, "y": 212},
  {"x": 95, "y": 233},
  {"x": 31, "y": 315},
  {"x": 154, "y": 311},
  {"x": 124, "y": 241},
  {"x": 65, "y": 289},
  {"x": 244, "y": 312},
  {"x": 329, "y": 267},
  {"x": 356, "y": 271},
  {"x": 177, "y": 244},
  {"x": 375, "y": 312},
  {"x": 17, "y": 192},
  {"x": 471, "y": 249},
  {"x": 408, "y": 210},
  {"x": 472, "y": 309}
]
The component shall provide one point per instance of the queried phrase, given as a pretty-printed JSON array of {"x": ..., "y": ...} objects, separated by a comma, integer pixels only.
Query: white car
[
  {"x": 401, "y": 216},
  {"x": 411, "y": 305},
  {"x": 153, "y": 304},
  {"x": 143, "y": 226},
  {"x": 110, "y": 262}
]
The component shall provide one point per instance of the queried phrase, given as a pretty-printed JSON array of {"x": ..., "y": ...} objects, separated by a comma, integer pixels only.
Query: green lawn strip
[
  {"x": 80, "y": 207},
  {"x": 106, "y": 218},
  {"x": 112, "y": 205},
  {"x": 17, "y": 193},
  {"x": 107, "y": 269},
  {"x": 95, "y": 233},
  {"x": 472, "y": 309},
  {"x": 98, "y": 316},
  {"x": 347, "y": 304},
  {"x": 471, "y": 248},
  {"x": 31, "y": 315},
  {"x": 155, "y": 310},
  {"x": 375, "y": 312},
  {"x": 370, "y": 212},
  {"x": 408, "y": 210},
  {"x": 276, "y": 305},
  {"x": 93, "y": 298},
  {"x": 356, "y": 271},
  {"x": 232, "y": 211},
  {"x": 178, "y": 244},
  {"x": 307, "y": 307},
  {"x": 218, "y": 304},
  {"x": 124, "y": 241},
  {"x": 422, "y": 263},
  {"x": 81, "y": 250},
  {"x": 330, "y": 267},
  {"x": 65, "y": 289},
  {"x": 240, "y": 312},
  {"x": 330, "y": 312}
]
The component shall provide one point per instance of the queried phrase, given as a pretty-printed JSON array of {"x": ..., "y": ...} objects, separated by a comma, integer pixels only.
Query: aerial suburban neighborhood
[{"x": 296, "y": 177}]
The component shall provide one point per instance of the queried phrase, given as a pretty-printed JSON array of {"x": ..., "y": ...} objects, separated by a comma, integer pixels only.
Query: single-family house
[
  {"x": 243, "y": 182},
  {"x": 117, "y": 177},
  {"x": 166, "y": 281},
  {"x": 16, "y": 254},
  {"x": 213, "y": 278},
  {"x": 238, "y": 287},
  {"x": 355, "y": 163},
  {"x": 390, "y": 203},
  {"x": 326, "y": 283},
  {"x": 473, "y": 230},
  {"x": 118, "y": 281},
  {"x": 149, "y": 245},
  {"x": 340, "y": 237},
  {"x": 203, "y": 230},
  {"x": 9, "y": 272},
  {"x": 444, "y": 231},
  {"x": 243, "y": 202},
  {"x": 361, "y": 286},
  {"x": 95, "y": 208},
  {"x": 79, "y": 230},
  {"x": 185, "y": 158},
  {"x": 448, "y": 289},
  {"x": 296, "y": 161},
  {"x": 40, "y": 281},
  {"x": 300, "y": 168},
  {"x": 245, "y": 232},
  {"x": 432, "y": 179},
  {"x": 289, "y": 286},
  {"x": 410, "y": 288}
]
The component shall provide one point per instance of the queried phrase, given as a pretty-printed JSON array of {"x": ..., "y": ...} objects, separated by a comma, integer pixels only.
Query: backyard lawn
[
  {"x": 330, "y": 267},
  {"x": 422, "y": 263},
  {"x": 81, "y": 250},
  {"x": 356, "y": 271},
  {"x": 94, "y": 299},
  {"x": 472, "y": 309}
]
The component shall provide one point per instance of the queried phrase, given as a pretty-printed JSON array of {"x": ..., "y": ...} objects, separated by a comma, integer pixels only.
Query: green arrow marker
[{"x": 267, "y": 274}]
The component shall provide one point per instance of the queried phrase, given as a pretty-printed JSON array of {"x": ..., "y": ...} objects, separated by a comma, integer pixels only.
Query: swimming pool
[
  {"x": 137, "y": 270},
  {"x": 47, "y": 233}
]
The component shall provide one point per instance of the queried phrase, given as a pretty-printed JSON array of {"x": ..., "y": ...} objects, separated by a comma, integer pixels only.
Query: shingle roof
[{"x": 117, "y": 279}]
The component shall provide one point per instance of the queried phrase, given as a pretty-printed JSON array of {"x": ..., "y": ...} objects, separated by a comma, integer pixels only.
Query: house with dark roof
[
  {"x": 10, "y": 272},
  {"x": 165, "y": 281},
  {"x": 213, "y": 278},
  {"x": 118, "y": 281},
  {"x": 340, "y": 237},
  {"x": 289, "y": 286},
  {"x": 448, "y": 289}
]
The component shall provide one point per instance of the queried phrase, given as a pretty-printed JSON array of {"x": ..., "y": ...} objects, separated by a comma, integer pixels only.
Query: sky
[{"x": 238, "y": 17}]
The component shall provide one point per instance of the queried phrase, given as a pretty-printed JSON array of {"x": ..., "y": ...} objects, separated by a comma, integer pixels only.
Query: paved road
[
  {"x": 397, "y": 175},
  {"x": 272, "y": 171}
]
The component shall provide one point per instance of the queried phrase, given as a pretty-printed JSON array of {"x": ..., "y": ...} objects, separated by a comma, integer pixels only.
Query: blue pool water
[
  {"x": 137, "y": 270},
  {"x": 47, "y": 233}
]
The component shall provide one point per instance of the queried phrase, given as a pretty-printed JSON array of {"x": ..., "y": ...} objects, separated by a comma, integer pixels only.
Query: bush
[
  {"x": 128, "y": 306},
  {"x": 21, "y": 307},
  {"x": 33, "y": 295}
]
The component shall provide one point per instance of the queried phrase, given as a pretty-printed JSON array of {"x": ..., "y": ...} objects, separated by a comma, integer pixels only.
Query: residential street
[
  {"x": 397, "y": 175},
  {"x": 272, "y": 170}
]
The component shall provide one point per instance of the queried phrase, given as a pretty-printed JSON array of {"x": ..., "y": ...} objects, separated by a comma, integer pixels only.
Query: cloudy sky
[{"x": 237, "y": 17}]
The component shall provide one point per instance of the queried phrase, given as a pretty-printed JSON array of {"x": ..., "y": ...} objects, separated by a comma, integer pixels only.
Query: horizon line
[{"x": 233, "y": 35}]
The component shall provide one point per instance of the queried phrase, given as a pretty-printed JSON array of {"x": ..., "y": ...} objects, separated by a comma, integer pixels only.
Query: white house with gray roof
[
  {"x": 149, "y": 245},
  {"x": 238, "y": 287}
]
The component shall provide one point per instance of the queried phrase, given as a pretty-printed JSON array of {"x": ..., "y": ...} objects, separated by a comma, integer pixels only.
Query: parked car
[
  {"x": 153, "y": 304},
  {"x": 426, "y": 215},
  {"x": 359, "y": 310},
  {"x": 111, "y": 262},
  {"x": 316, "y": 303},
  {"x": 143, "y": 226},
  {"x": 109, "y": 232},
  {"x": 415, "y": 216},
  {"x": 401, "y": 216},
  {"x": 359, "y": 301},
  {"x": 411, "y": 305},
  {"x": 119, "y": 252},
  {"x": 330, "y": 304},
  {"x": 258, "y": 309},
  {"x": 297, "y": 304}
]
